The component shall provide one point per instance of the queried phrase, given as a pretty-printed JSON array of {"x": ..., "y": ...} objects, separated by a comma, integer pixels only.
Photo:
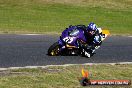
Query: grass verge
[
  {"x": 63, "y": 77},
  {"x": 40, "y": 16}
]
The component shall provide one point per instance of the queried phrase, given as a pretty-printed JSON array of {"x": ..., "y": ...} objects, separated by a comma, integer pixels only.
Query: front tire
[{"x": 54, "y": 49}]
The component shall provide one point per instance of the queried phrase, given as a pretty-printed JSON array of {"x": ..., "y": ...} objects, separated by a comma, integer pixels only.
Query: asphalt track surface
[{"x": 31, "y": 50}]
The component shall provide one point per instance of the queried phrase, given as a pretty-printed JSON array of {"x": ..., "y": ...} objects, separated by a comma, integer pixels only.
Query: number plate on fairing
[{"x": 68, "y": 39}]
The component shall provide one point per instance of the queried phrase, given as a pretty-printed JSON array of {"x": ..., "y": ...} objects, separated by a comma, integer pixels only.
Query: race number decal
[{"x": 68, "y": 39}]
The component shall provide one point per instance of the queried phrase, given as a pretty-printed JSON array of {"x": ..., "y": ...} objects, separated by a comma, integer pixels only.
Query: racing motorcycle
[{"x": 67, "y": 43}]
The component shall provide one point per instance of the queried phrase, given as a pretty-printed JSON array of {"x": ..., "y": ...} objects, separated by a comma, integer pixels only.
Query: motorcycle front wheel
[{"x": 54, "y": 49}]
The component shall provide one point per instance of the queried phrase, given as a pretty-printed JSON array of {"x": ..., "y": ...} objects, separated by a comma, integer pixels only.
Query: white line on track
[
  {"x": 65, "y": 65},
  {"x": 30, "y": 34},
  {"x": 129, "y": 36}
]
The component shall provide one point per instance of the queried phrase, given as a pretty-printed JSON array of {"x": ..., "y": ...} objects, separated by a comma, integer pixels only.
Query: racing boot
[
  {"x": 85, "y": 49},
  {"x": 85, "y": 53}
]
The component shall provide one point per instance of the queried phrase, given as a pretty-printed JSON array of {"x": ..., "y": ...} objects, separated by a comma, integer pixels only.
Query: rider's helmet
[{"x": 91, "y": 29}]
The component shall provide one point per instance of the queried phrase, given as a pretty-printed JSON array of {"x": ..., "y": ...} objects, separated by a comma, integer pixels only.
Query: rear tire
[{"x": 54, "y": 49}]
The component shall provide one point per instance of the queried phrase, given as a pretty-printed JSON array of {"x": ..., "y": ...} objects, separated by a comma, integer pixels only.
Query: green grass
[
  {"x": 39, "y": 16},
  {"x": 63, "y": 77}
]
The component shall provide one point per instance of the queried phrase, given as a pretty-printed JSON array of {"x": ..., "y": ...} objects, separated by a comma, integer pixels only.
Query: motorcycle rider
[{"x": 93, "y": 35}]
